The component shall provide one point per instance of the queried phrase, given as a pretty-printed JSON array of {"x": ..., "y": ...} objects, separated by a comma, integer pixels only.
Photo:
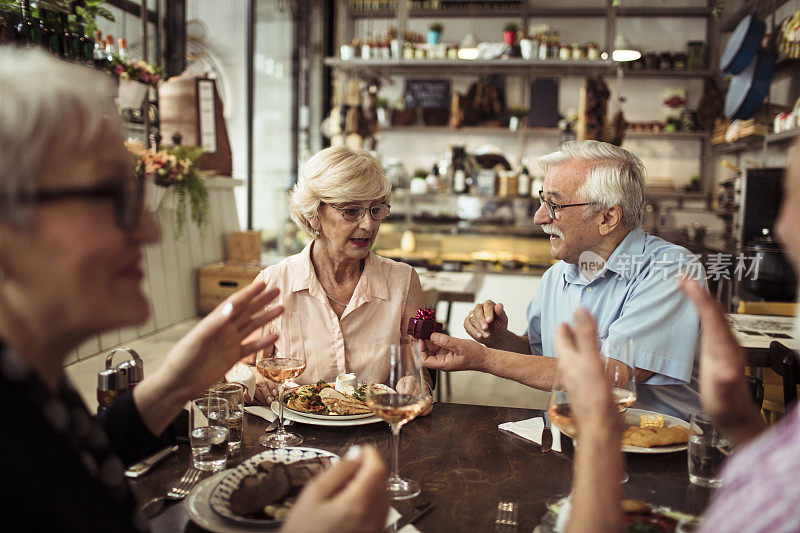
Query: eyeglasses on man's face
[
  {"x": 553, "y": 207},
  {"x": 354, "y": 213},
  {"x": 127, "y": 195}
]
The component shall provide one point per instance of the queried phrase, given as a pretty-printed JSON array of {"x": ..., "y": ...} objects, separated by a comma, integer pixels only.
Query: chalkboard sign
[
  {"x": 427, "y": 94},
  {"x": 543, "y": 111}
]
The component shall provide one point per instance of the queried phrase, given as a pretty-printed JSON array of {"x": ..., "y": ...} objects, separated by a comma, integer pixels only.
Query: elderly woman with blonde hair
[{"x": 353, "y": 303}]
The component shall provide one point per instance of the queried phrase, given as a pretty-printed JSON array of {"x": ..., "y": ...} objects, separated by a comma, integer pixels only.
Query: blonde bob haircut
[{"x": 336, "y": 175}]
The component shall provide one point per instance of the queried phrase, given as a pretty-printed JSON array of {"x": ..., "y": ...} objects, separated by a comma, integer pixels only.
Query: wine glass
[
  {"x": 280, "y": 367},
  {"x": 398, "y": 402},
  {"x": 620, "y": 370}
]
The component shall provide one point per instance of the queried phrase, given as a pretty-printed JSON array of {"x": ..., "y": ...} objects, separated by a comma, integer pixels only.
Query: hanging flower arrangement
[
  {"x": 128, "y": 68},
  {"x": 175, "y": 168}
]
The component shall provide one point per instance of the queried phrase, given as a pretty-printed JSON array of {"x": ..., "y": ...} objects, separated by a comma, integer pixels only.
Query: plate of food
[
  {"x": 650, "y": 432},
  {"x": 322, "y": 401},
  {"x": 262, "y": 490},
  {"x": 640, "y": 517}
]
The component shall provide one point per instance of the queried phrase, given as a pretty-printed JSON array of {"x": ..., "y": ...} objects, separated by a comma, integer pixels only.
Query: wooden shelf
[
  {"x": 467, "y": 67},
  {"x": 540, "y": 132},
  {"x": 538, "y": 12},
  {"x": 554, "y": 67},
  {"x": 757, "y": 143}
]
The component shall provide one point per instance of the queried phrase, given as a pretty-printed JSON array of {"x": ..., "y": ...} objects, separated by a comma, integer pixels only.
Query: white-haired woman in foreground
[
  {"x": 353, "y": 303},
  {"x": 72, "y": 226}
]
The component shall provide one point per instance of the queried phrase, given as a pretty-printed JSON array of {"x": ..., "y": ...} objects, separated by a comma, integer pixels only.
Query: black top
[{"x": 63, "y": 470}]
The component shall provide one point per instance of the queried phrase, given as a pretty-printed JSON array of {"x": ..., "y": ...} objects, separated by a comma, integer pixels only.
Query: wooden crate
[
  {"x": 244, "y": 247},
  {"x": 217, "y": 281}
]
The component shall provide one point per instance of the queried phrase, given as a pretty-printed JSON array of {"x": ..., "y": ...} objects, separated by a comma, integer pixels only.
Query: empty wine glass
[
  {"x": 398, "y": 402},
  {"x": 280, "y": 367}
]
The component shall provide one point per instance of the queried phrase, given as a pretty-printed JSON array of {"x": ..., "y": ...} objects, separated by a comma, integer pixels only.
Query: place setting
[{"x": 259, "y": 492}]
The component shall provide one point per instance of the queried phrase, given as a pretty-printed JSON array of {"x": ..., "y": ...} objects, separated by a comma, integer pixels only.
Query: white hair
[
  {"x": 336, "y": 175},
  {"x": 48, "y": 109},
  {"x": 616, "y": 178}
]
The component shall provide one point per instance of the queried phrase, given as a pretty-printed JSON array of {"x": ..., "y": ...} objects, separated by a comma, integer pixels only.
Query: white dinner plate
[
  {"x": 219, "y": 500},
  {"x": 294, "y": 416},
  {"x": 632, "y": 419},
  {"x": 326, "y": 417}
]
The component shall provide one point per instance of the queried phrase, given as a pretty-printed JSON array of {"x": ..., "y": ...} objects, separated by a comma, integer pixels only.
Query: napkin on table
[
  {"x": 261, "y": 411},
  {"x": 394, "y": 515},
  {"x": 531, "y": 429}
]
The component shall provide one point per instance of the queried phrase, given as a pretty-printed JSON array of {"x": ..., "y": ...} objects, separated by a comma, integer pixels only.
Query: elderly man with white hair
[{"x": 592, "y": 201}]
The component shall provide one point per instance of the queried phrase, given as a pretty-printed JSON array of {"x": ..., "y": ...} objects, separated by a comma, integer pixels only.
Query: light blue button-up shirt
[{"x": 634, "y": 296}]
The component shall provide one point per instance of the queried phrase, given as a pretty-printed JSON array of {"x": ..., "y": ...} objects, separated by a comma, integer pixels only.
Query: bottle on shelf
[
  {"x": 66, "y": 38},
  {"x": 524, "y": 182},
  {"x": 24, "y": 28},
  {"x": 433, "y": 179},
  {"x": 82, "y": 44},
  {"x": 123, "y": 48},
  {"x": 109, "y": 50},
  {"x": 50, "y": 36},
  {"x": 99, "y": 51}
]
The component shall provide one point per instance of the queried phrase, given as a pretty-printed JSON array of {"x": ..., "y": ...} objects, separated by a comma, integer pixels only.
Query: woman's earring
[{"x": 316, "y": 232}]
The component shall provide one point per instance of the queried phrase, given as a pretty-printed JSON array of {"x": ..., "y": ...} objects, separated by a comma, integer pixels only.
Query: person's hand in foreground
[
  {"x": 723, "y": 389},
  {"x": 443, "y": 352},
  {"x": 596, "y": 490},
  {"x": 349, "y": 497},
  {"x": 206, "y": 353}
]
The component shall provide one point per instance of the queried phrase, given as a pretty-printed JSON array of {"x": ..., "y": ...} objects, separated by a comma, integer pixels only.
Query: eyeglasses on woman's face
[
  {"x": 127, "y": 195},
  {"x": 354, "y": 213}
]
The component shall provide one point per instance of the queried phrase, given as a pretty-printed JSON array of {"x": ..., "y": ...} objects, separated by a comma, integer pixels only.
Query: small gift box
[{"x": 422, "y": 325}]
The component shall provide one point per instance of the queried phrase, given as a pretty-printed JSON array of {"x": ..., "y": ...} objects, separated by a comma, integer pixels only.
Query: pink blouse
[{"x": 387, "y": 295}]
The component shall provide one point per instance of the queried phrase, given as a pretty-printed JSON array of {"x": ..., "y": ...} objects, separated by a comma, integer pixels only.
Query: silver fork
[
  {"x": 185, "y": 485},
  {"x": 181, "y": 489},
  {"x": 506, "y": 516}
]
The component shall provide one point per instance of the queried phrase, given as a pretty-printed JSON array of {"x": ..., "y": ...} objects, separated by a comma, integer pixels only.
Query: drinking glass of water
[
  {"x": 208, "y": 432},
  {"x": 708, "y": 448}
]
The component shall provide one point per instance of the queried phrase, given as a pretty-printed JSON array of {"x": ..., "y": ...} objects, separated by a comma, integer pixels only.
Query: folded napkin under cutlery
[
  {"x": 393, "y": 517},
  {"x": 531, "y": 429}
]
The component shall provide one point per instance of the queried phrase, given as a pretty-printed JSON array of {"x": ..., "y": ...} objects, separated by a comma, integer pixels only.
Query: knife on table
[
  {"x": 408, "y": 518},
  {"x": 547, "y": 435},
  {"x": 140, "y": 469}
]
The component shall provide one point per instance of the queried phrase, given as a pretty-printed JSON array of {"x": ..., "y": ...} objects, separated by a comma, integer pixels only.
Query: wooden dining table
[{"x": 464, "y": 464}]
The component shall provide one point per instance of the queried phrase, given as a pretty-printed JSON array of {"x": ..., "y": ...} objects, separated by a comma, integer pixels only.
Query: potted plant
[
  {"x": 175, "y": 168},
  {"x": 135, "y": 76},
  {"x": 510, "y": 33},
  {"x": 518, "y": 114},
  {"x": 435, "y": 33}
]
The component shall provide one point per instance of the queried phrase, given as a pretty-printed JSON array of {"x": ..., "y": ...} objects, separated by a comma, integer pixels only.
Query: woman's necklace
[{"x": 332, "y": 298}]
